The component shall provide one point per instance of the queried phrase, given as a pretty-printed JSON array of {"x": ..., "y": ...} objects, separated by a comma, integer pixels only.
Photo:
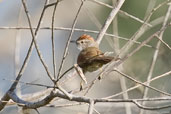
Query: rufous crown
[{"x": 85, "y": 36}]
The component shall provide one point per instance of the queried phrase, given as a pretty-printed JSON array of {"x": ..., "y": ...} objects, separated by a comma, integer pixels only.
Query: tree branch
[{"x": 109, "y": 20}]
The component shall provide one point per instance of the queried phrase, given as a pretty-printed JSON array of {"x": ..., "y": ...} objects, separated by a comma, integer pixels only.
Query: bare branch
[
  {"x": 109, "y": 20},
  {"x": 80, "y": 73},
  {"x": 33, "y": 105},
  {"x": 167, "y": 45},
  {"x": 54, "y": 94},
  {"x": 52, "y": 38}
]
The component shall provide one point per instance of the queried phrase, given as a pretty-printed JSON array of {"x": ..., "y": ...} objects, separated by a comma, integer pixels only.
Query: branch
[
  {"x": 52, "y": 38},
  {"x": 109, "y": 20},
  {"x": 28, "y": 104},
  {"x": 83, "y": 99},
  {"x": 167, "y": 45}
]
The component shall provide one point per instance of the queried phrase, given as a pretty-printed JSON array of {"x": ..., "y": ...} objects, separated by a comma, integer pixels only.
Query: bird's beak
[{"x": 73, "y": 41}]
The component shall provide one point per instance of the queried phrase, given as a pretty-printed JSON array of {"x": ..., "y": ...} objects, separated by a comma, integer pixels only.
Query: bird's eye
[{"x": 82, "y": 42}]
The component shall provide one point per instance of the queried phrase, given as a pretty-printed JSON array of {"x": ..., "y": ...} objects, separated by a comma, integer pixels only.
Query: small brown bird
[{"x": 90, "y": 58}]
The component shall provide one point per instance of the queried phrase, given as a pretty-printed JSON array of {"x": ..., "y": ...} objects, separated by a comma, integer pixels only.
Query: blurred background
[{"x": 14, "y": 44}]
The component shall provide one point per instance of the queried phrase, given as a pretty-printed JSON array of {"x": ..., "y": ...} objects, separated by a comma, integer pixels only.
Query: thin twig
[
  {"x": 167, "y": 45},
  {"x": 52, "y": 38},
  {"x": 96, "y": 111},
  {"x": 80, "y": 73},
  {"x": 65, "y": 73},
  {"x": 51, "y": 4},
  {"x": 33, "y": 84}
]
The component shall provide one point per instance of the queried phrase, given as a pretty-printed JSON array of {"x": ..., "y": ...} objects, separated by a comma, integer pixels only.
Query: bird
[{"x": 90, "y": 58}]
